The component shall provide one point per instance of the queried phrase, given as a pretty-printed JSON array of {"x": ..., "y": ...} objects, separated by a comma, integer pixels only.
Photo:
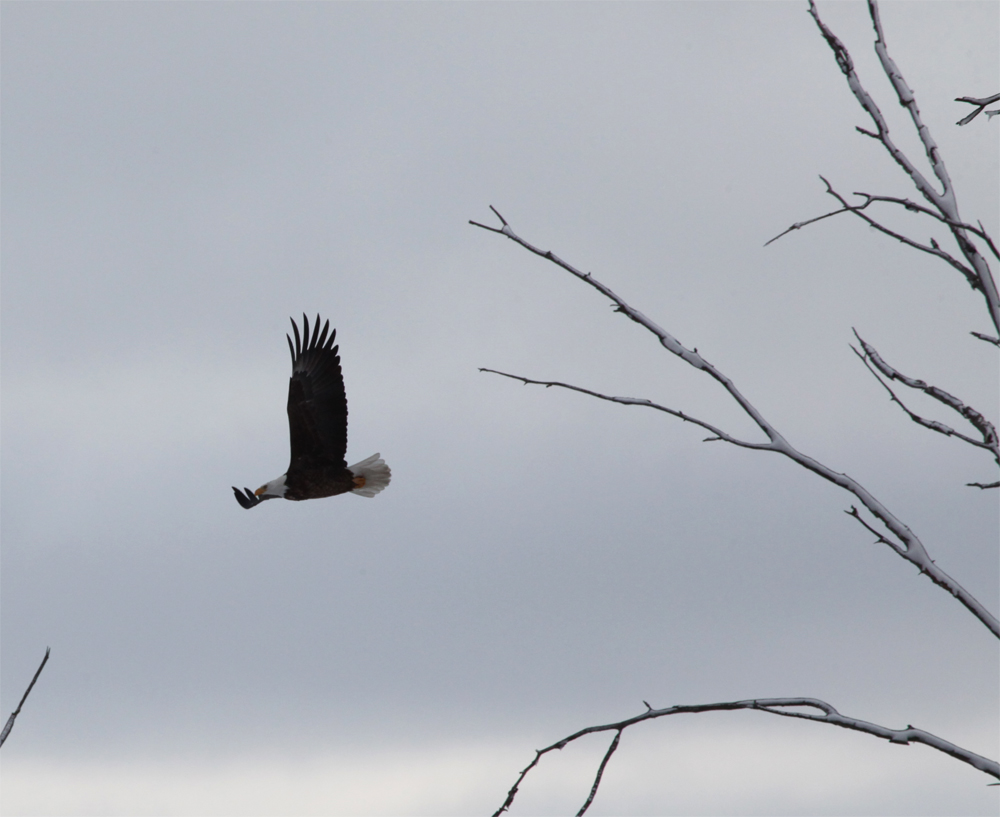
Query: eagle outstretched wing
[{"x": 317, "y": 402}]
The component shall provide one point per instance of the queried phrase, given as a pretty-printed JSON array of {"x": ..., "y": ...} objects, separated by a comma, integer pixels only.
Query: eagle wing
[{"x": 317, "y": 402}]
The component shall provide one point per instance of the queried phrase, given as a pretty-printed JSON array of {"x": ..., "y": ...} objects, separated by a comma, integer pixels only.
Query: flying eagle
[{"x": 317, "y": 425}]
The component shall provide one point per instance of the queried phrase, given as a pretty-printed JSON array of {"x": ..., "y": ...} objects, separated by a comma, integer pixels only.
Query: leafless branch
[
  {"x": 984, "y": 486},
  {"x": 909, "y": 205},
  {"x": 718, "y": 434},
  {"x": 981, "y": 105},
  {"x": 987, "y": 338},
  {"x": 13, "y": 715},
  {"x": 933, "y": 248},
  {"x": 912, "y": 549},
  {"x": 887, "y": 528},
  {"x": 989, "y": 440},
  {"x": 879, "y": 537},
  {"x": 600, "y": 774},
  {"x": 944, "y": 201},
  {"x": 784, "y": 707}
]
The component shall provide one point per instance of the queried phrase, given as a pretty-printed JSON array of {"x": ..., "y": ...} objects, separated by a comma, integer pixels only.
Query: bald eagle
[{"x": 317, "y": 425}]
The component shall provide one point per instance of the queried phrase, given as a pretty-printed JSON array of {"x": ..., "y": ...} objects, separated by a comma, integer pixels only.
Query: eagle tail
[{"x": 374, "y": 472}]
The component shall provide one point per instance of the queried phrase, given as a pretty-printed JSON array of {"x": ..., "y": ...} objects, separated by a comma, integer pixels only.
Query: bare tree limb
[
  {"x": 879, "y": 538},
  {"x": 784, "y": 707},
  {"x": 987, "y": 338},
  {"x": 943, "y": 201},
  {"x": 981, "y": 104},
  {"x": 909, "y": 545},
  {"x": 933, "y": 248},
  {"x": 989, "y": 439},
  {"x": 13, "y": 715},
  {"x": 639, "y": 401},
  {"x": 909, "y": 205},
  {"x": 600, "y": 774}
]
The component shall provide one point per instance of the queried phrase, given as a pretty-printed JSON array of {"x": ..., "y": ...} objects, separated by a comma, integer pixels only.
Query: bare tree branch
[
  {"x": 933, "y": 248},
  {"x": 784, "y": 707},
  {"x": 989, "y": 439},
  {"x": 943, "y": 201},
  {"x": 916, "y": 208},
  {"x": 909, "y": 205},
  {"x": 887, "y": 528},
  {"x": 879, "y": 538},
  {"x": 981, "y": 104},
  {"x": 13, "y": 715},
  {"x": 908, "y": 545},
  {"x": 600, "y": 774},
  {"x": 639, "y": 401}
]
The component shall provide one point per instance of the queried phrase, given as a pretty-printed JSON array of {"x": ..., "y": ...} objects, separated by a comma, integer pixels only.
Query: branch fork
[
  {"x": 782, "y": 707},
  {"x": 907, "y": 544}
]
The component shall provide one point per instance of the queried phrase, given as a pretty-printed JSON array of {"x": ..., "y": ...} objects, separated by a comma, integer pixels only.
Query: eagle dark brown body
[{"x": 317, "y": 425}]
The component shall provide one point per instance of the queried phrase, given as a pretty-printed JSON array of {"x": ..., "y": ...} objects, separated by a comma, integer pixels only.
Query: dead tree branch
[
  {"x": 717, "y": 434},
  {"x": 943, "y": 202},
  {"x": 905, "y": 542},
  {"x": 986, "y": 338},
  {"x": 886, "y": 527},
  {"x": 784, "y": 707},
  {"x": 986, "y": 429},
  {"x": 13, "y": 715},
  {"x": 980, "y": 107},
  {"x": 932, "y": 248}
]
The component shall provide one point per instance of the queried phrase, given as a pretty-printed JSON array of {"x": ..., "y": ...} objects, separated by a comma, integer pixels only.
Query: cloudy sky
[{"x": 179, "y": 179}]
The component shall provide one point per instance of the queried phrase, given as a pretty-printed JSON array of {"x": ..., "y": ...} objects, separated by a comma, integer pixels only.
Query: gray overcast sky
[{"x": 179, "y": 179}]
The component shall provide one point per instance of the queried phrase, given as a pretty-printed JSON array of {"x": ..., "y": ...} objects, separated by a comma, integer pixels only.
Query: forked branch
[
  {"x": 932, "y": 248},
  {"x": 980, "y": 107},
  {"x": 942, "y": 201},
  {"x": 986, "y": 429},
  {"x": 912, "y": 206},
  {"x": 903, "y": 541},
  {"x": 784, "y": 707}
]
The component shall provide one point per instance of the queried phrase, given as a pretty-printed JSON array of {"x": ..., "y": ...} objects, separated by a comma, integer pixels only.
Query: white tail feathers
[{"x": 376, "y": 475}]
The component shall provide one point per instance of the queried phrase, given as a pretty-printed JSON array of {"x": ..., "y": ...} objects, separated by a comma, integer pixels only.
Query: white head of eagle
[{"x": 317, "y": 426}]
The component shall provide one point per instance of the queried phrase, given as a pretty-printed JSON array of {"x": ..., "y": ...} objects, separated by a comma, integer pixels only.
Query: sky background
[{"x": 179, "y": 179}]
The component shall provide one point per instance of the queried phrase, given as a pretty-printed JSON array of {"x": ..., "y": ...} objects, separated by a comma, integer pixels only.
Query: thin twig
[
  {"x": 906, "y": 203},
  {"x": 880, "y": 538},
  {"x": 981, "y": 105},
  {"x": 517, "y": 783},
  {"x": 784, "y": 707},
  {"x": 717, "y": 433},
  {"x": 13, "y": 715},
  {"x": 600, "y": 774},
  {"x": 933, "y": 248}
]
